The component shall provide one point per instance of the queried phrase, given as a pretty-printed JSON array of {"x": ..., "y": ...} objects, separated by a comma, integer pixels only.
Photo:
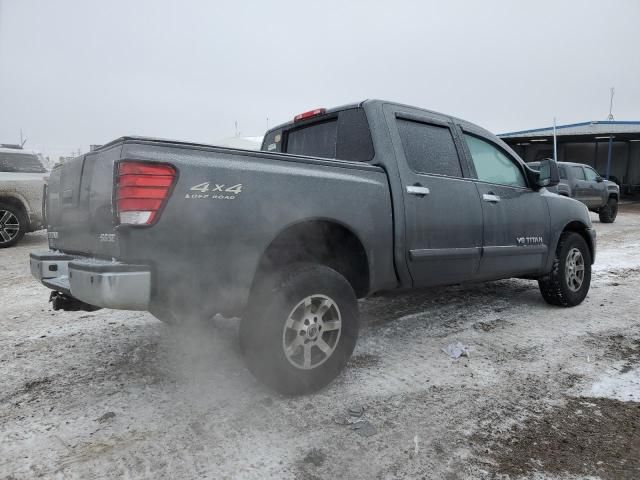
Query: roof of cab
[{"x": 379, "y": 102}]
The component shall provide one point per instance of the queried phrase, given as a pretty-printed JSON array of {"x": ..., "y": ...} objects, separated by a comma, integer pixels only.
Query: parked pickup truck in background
[
  {"x": 339, "y": 204},
  {"x": 22, "y": 181},
  {"x": 586, "y": 185}
]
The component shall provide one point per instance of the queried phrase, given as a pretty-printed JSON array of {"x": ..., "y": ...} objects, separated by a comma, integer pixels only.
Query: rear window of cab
[{"x": 343, "y": 135}]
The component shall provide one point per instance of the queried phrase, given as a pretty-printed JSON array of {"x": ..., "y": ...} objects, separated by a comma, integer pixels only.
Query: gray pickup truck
[
  {"x": 339, "y": 204},
  {"x": 586, "y": 185}
]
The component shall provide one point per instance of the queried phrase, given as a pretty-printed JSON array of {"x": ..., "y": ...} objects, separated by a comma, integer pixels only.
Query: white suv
[{"x": 22, "y": 180}]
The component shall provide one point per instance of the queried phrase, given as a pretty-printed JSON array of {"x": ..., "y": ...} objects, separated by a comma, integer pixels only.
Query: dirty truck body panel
[
  {"x": 421, "y": 201},
  {"x": 205, "y": 248},
  {"x": 452, "y": 233}
]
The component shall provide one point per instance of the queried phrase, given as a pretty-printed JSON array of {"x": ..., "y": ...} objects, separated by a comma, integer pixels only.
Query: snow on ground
[
  {"x": 623, "y": 386},
  {"x": 546, "y": 393},
  {"x": 618, "y": 242}
]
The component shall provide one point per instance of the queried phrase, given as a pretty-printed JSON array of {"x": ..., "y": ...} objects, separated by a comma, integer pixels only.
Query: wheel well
[
  {"x": 16, "y": 202},
  {"x": 324, "y": 242},
  {"x": 614, "y": 195},
  {"x": 580, "y": 228}
]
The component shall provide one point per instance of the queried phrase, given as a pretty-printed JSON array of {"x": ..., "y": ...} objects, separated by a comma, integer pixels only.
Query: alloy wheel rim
[
  {"x": 9, "y": 226},
  {"x": 574, "y": 269},
  {"x": 312, "y": 332}
]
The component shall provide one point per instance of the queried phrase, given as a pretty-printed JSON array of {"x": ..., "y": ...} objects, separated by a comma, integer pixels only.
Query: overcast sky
[{"x": 76, "y": 72}]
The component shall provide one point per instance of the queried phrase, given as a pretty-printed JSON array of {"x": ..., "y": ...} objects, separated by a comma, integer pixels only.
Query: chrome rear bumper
[{"x": 97, "y": 282}]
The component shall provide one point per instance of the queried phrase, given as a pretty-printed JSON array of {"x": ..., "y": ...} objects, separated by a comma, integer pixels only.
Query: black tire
[
  {"x": 277, "y": 317},
  {"x": 559, "y": 287},
  {"x": 14, "y": 223},
  {"x": 609, "y": 212}
]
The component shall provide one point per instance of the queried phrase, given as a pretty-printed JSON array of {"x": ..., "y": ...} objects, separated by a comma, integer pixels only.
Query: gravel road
[{"x": 545, "y": 392}]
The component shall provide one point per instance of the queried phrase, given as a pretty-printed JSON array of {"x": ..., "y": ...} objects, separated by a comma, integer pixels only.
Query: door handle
[
  {"x": 490, "y": 197},
  {"x": 417, "y": 190}
]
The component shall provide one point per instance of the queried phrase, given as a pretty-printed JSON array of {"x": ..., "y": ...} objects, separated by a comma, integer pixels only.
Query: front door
[
  {"x": 516, "y": 217},
  {"x": 597, "y": 189},
  {"x": 443, "y": 217}
]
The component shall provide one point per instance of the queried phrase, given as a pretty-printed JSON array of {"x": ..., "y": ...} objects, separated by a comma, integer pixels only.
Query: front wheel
[
  {"x": 609, "y": 212},
  {"x": 568, "y": 282},
  {"x": 300, "y": 328}
]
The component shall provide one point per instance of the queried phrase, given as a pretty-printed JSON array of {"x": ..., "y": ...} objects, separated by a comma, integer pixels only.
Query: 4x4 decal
[{"x": 215, "y": 191}]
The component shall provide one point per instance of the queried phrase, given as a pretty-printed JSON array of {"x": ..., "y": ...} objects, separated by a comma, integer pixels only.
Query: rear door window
[
  {"x": 429, "y": 148},
  {"x": 20, "y": 163},
  {"x": 578, "y": 172}
]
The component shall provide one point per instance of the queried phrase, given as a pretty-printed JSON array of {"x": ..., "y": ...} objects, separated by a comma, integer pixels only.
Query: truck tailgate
[{"x": 79, "y": 208}]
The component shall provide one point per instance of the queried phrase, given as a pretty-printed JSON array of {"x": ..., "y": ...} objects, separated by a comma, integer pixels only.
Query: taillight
[
  {"x": 141, "y": 191},
  {"x": 309, "y": 114}
]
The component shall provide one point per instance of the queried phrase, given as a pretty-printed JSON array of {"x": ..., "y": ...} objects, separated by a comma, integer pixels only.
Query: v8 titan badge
[{"x": 214, "y": 191}]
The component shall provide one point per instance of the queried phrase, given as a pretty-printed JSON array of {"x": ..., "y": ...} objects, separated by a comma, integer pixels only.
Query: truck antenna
[{"x": 613, "y": 91}]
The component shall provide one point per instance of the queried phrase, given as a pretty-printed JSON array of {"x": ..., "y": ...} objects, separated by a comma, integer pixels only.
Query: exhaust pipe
[{"x": 60, "y": 301}]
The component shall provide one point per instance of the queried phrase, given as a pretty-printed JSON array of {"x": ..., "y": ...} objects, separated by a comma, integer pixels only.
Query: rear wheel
[
  {"x": 609, "y": 212},
  {"x": 568, "y": 282},
  {"x": 13, "y": 224},
  {"x": 300, "y": 328}
]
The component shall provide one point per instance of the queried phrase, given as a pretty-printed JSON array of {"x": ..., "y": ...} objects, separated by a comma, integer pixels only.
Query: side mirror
[
  {"x": 548, "y": 175},
  {"x": 599, "y": 179}
]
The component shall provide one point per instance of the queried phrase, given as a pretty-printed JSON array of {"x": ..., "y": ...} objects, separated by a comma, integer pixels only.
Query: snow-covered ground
[{"x": 545, "y": 393}]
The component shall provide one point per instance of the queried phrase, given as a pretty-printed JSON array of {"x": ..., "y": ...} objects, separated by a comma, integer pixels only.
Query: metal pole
[
  {"x": 609, "y": 156},
  {"x": 555, "y": 146},
  {"x": 627, "y": 178}
]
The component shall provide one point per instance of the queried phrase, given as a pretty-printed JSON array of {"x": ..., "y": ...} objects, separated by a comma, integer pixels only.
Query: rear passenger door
[
  {"x": 516, "y": 217},
  {"x": 443, "y": 217}
]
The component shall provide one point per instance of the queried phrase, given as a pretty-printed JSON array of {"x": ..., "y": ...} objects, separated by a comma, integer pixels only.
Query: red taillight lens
[{"x": 141, "y": 191}]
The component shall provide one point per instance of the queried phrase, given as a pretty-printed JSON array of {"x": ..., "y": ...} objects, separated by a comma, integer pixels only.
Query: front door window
[{"x": 492, "y": 165}]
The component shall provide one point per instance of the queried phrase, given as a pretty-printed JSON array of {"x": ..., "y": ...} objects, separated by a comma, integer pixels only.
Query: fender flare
[{"x": 574, "y": 225}]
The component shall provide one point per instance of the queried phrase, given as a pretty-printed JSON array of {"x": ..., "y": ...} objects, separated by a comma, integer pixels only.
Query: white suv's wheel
[{"x": 13, "y": 224}]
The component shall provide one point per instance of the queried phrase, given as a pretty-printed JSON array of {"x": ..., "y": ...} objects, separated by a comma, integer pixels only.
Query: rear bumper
[{"x": 101, "y": 283}]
